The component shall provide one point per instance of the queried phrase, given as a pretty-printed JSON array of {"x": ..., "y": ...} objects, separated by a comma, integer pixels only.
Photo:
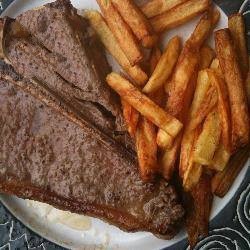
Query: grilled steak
[
  {"x": 61, "y": 127},
  {"x": 46, "y": 157},
  {"x": 60, "y": 50}
]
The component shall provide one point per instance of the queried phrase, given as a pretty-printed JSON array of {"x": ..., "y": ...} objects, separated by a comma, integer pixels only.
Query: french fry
[
  {"x": 136, "y": 20},
  {"x": 223, "y": 108},
  {"x": 207, "y": 56},
  {"x": 185, "y": 67},
  {"x": 179, "y": 15},
  {"x": 187, "y": 64},
  {"x": 146, "y": 134},
  {"x": 144, "y": 105},
  {"x": 164, "y": 140},
  {"x": 248, "y": 88},
  {"x": 187, "y": 146},
  {"x": 220, "y": 159},
  {"x": 205, "y": 98},
  {"x": 159, "y": 96},
  {"x": 215, "y": 65},
  {"x": 222, "y": 181},
  {"x": 156, "y": 7},
  {"x": 188, "y": 169},
  {"x": 199, "y": 208},
  {"x": 208, "y": 140},
  {"x": 146, "y": 149},
  {"x": 184, "y": 70},
  {"x": 121, "y": 31},
  {"x": 236, "y": 88},
  {"x": 164, "y": 67},
  {"x": 110, "y": 43},
  {"x": 131, "y": 117},
  {"x": 237, "y": 29},
  {"x": 168, "y": 159},
  {"x": 192, "y": 175},
  {"x": 204, "y": 27}
]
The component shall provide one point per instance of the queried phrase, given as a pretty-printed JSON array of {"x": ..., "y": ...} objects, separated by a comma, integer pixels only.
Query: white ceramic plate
[{"x": 101, "y": 234}]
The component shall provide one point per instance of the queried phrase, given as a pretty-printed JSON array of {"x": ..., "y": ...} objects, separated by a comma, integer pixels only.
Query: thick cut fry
[
  {"x": 215, "y": 65},
  {"x": 187, "y": 146},
  {"x": 189, "y": 170},
  {"x": 207, "y": 55},
  {"x": 164, "y": 67},
  {"x": 187, "y": 64},
  {"x": 146, "y": 149},
  {"x": 208, "y": 140},
  {"x": 237, "y": 28},
  {"x": 205, "y": 98},
  {"x": 203, "y": 28},
  {"x": 164, "y": 140},
  {"x": 156, "y": 7},
  {"x": 223, "y": 108},
  {"x": 168, "y": 159},
  {"x": 222, "y": 181},
  {"x": 179, "y": 14},
  {"x": 236, "y": 88},
  {"x": 220, "y": 159},
  {"x": 159, "y": 96},
  {"x": 198, "y": 210},
  {"x": 146, "y": 136},
  {"x": 248, "y": 88},
  {"x": 185, "y": 68},
  {"x": 110, "y": 43},
  {"x": 131, "y": 117},
  {"x": 121, "y": 31},
  {"x": 192, "y": 175},
  {"x": 138, "y": 23},
  {"x": 144, "y": 105}
]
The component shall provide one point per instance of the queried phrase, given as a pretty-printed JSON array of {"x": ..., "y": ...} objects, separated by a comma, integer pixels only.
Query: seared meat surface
[
  {"x": 46, "y": 157},
  {"x": 62, "y": 135}
]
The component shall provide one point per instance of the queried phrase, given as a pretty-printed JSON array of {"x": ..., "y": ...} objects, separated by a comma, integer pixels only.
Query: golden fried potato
[
  {"x": 147, "y": 149},
  {"x": 131, "y": 117},
  {"x": 165, "y": 66},
  {"x": 236, "y": 88},
  {"x": 106, "y": 36},
  {"x": 156, "y": 7},
  {"x": 237, "y": 29},
  {"x": 144, "y": 105},
  {"x": 208, "y": 139},
  {"x": 136, "y": 20},
  {"x": 122, "y": 32},
  {"x": 179, "y": 15},
  {"x": 222, "y": 181}
]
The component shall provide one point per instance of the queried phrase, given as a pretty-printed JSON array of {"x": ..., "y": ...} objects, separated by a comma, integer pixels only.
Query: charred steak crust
[{"x": 46, "y": 157}]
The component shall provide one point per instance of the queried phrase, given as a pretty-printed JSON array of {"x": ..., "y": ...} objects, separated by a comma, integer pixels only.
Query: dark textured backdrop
[{"x": 230, "y": 228}]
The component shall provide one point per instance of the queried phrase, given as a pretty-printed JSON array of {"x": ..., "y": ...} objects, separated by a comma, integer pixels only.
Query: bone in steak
[{"x": 48, "y": 158}]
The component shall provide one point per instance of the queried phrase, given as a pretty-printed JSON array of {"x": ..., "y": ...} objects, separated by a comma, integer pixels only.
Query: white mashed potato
[{"x": 53, "y": 215}]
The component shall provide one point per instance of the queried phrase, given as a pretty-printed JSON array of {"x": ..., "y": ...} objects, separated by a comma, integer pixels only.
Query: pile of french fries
[{"x": 185, "y": 107}]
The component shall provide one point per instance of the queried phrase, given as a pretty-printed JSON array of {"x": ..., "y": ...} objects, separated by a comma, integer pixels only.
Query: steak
[
  {"x": 62, "y": 135},
  {"x": 46, "y": 157},
  {"x": 61, "y": 50}
]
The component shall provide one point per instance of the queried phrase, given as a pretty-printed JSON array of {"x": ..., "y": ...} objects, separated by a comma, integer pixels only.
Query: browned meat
[
  {"x": 62, "y": 52},
  {"x": 58, "y": 27},
  {"x": 46, "y": 157}
]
